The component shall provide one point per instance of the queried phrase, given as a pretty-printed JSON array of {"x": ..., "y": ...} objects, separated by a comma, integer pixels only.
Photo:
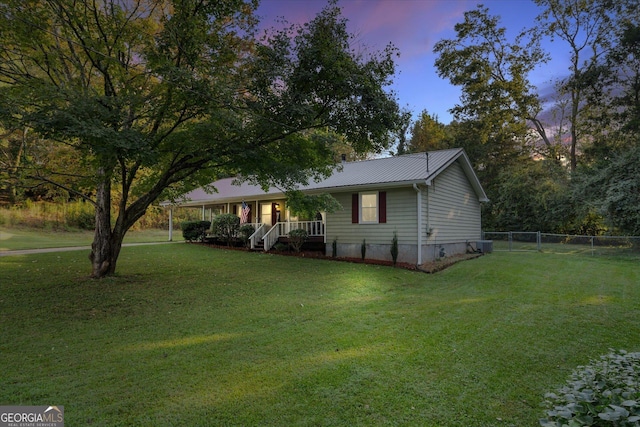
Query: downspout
[{"x": 419, "y": 202}]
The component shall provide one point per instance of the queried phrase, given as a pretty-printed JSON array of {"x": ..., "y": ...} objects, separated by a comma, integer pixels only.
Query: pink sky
[{"x": 414, "y": 26}]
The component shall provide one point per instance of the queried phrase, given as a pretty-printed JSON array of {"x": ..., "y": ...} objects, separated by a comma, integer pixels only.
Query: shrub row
[{"x": 225, "y": 228}]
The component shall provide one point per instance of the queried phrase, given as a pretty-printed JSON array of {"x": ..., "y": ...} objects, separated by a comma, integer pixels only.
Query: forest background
[{"x": 562, "y": 163}]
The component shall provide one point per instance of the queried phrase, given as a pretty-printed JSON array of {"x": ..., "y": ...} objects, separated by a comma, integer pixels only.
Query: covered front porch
[{"x": 271, "y": 219}]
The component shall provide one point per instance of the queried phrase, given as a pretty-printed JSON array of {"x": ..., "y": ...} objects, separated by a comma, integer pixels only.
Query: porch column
[
  {"x": 323, "y": 227},
  {"x": 204, "y": 213},
  {"x": 256, "y": 215}
]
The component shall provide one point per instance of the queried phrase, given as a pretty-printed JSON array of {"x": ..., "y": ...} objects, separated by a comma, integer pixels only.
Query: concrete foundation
[{"x": 406, "y": 253}]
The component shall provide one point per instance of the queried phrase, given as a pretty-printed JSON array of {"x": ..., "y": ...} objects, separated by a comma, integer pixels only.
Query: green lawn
[
  {"x": 192, "y": 336},
  {"x": 29, "y": 238}
]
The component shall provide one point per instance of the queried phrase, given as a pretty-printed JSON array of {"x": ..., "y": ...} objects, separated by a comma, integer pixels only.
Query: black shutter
[
  {"x": 355, "y": 214},
  {"x": 382, "y": 207}
]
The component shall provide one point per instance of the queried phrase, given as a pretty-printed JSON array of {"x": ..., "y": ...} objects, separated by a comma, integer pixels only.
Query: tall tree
[
  {"x": 534, "y": 196},
  {"x": 427, "y": 133},
  {"x": 612, "y": 190},
  {"x": 492, "y": 73},
  {"x": 157, "y": 97},
  {"x": 12, "y": 147},
  {"x": 586, "y": 26},
  {"x": 624, "y": 64},
  {"x": 608, "y": 180},
  {"x": 403, "y": 127},
  {"x": 612, "y": 92}
]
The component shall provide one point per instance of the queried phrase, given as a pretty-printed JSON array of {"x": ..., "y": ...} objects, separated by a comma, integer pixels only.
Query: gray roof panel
[{"x": 405, "y": 169}]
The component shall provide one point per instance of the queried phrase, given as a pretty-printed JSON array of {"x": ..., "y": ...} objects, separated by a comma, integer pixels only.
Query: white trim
[{"x": 419, "y": 203}]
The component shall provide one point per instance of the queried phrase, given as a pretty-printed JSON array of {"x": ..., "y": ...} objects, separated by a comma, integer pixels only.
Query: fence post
[
  {"x": 539, "y": 236},
  {"x": 510, "y": 240}
]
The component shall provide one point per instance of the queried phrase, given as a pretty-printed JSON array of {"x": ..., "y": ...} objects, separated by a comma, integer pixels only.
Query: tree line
[{"x": 565, "y": 163}]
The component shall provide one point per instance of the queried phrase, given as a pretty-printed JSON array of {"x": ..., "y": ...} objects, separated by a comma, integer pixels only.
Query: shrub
[
  {"x": 363, "y": 248},
  {"x": 280, "y": 247},
  {"x": 245, "y": 231},
  {"x": 86, "y": 220},
  {"x": 394, "y": 248},
  {"x": 194, "y": 230},
  {"x": 225, "y": 227},
  {"x": 603, "y": 393},
  {"x": 297, "y": 238}
]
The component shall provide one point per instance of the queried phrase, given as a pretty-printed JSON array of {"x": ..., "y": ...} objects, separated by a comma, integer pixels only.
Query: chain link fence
[{"x": 628, "y": 246}]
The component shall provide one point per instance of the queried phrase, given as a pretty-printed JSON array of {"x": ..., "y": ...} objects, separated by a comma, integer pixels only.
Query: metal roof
[{"x": 402, "y": 170}]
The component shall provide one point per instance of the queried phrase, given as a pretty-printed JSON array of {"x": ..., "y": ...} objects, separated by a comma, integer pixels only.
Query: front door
[
  {"x": 270, "y": 213},
  {"x": 265, "y": 213}
]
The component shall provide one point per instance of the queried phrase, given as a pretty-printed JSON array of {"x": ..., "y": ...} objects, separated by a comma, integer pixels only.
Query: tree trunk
[
  {"x": 107, "y": 241},
  {"x": 106, "y": 244},
  {"x": 104, "y": 254}
]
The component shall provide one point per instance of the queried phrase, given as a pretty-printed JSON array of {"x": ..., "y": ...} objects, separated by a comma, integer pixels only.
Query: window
[{"x": 369, "y": 207}]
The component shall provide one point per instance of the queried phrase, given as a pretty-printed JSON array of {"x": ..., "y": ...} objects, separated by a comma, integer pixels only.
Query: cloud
[{"x": 414, "y": 26}]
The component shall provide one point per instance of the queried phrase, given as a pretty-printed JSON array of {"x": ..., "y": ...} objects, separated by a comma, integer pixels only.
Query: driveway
[{"x": 70, "y": 248}]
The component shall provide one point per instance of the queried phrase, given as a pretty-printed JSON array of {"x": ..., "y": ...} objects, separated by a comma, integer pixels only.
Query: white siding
[
  {"x": 401, "y": 217},
  {"x": 424, "y": 198},
  {"x": 453, "y": 209}
]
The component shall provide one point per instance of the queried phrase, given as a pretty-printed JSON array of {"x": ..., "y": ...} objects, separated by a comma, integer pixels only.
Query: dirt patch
[
  {"x": 441, "y": 264},
  {"x": 427, "y": 267}
]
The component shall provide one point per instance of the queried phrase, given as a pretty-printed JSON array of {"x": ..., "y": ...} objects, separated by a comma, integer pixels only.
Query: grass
[
  {"x": 188, "y": 335},
  {"x": 29, "y": 238}
]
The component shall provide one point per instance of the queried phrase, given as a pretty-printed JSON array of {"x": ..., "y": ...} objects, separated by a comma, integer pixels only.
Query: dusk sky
[{"x": 414, "y": 26}]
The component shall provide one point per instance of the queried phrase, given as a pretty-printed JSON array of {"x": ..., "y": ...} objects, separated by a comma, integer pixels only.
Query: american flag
[{"x": 244, "y": 214}]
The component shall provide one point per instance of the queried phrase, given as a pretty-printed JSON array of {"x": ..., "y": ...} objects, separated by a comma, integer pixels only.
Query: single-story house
[{"x": 431, "y": 201}]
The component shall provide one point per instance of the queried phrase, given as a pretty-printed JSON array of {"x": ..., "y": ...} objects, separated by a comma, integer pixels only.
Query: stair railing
[
  {"x": 257, "y": 235},
  {"x": 271, "y": 237},
  {"x": 313, "y": 228}
]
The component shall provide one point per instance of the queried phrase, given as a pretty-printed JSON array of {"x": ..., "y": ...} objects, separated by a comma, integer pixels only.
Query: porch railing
[{"x": 313, "y": 229}]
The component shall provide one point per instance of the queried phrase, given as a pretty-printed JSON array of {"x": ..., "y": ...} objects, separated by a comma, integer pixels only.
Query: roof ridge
[{"x": 421, "y": 153}]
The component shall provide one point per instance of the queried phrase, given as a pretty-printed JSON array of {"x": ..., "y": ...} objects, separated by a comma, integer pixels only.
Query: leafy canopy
[{"x": 157, "y": 97}]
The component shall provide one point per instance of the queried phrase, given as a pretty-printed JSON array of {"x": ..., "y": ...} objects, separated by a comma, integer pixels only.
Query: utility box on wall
[{"x": 485, "y": 246}]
